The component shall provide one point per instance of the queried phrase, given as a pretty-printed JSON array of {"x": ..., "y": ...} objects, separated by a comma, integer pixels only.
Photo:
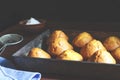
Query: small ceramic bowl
[{"x": 35, "y": 28}]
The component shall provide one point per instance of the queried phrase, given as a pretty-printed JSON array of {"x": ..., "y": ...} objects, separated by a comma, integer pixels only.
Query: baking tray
[{"x": 63, "y": 67}]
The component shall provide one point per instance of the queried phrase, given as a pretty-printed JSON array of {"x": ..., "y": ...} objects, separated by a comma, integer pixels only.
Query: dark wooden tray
[{"x": 67, "y": 68}]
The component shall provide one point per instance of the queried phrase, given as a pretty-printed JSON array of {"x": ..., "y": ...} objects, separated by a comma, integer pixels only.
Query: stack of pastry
[
  {"x": 59, "y": 46},
  {"x": 112, "y": 44},
  {"x": 58, "y": 42},
  {"x": 92, "y": 49}
]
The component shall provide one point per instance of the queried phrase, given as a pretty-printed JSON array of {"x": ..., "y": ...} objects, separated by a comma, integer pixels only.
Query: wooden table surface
[{"x": 30, "y": 36}]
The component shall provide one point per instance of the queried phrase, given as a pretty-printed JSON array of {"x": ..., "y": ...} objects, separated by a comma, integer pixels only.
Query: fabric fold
[{"x": 7, "y": 72}]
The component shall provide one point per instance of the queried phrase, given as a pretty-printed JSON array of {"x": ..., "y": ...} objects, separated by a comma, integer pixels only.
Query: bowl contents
[
  {"x": 33, "y": 25},
  {"x": 32, "y": 21}
]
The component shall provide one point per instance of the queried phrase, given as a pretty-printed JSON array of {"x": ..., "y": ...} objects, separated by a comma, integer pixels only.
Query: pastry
[
  {"x": 70, "y": 55},
  {"x": 89, "y": 49},
  {"x": 111, "y": 43},
  {"x": 57, "y": 34},
  {"x": 102, "y": 56},
  {"x": 38, "y": 53},
  {"x": 116, "y": 54},
  {"x": 58, "y": 45},
  {"x": 82, "y": 39}
]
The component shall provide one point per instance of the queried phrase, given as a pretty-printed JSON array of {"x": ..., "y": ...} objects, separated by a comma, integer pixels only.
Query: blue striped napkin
[{"x": 8, "y": 72}]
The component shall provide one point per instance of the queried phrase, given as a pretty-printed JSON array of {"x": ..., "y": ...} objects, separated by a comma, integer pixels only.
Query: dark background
[{"x": 12, "y": 11}]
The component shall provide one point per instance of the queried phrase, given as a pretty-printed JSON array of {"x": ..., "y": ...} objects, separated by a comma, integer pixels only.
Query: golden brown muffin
[
  {"x": 57, "y": 34},
  {"x": 111, "y": 43},
  {"x": 82, "y": 39},
  {"x": 116, "y": 54},
  {"x": 59, "y": 45},
  {"x": 102, "y": 56},
  {"x": 70, "y": 55},
  {"x": 38, "y": 53},
  {"x": 88, "y": 50}
]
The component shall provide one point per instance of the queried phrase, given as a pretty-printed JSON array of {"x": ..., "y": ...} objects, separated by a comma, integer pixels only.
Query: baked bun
[
  {"x": 70, "y": 55},
  {"x": 57, "y": 34},
  {"x": 116, "y": 54},
  {"x": 82, "y": 39},
  {"x": 89, "y": 49},
  {"x": 111, "y": 43},
  {"x": 58, "y": 45},
  {"x": 38, "y": 53},
  {"x": 102, "y": 56}
]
